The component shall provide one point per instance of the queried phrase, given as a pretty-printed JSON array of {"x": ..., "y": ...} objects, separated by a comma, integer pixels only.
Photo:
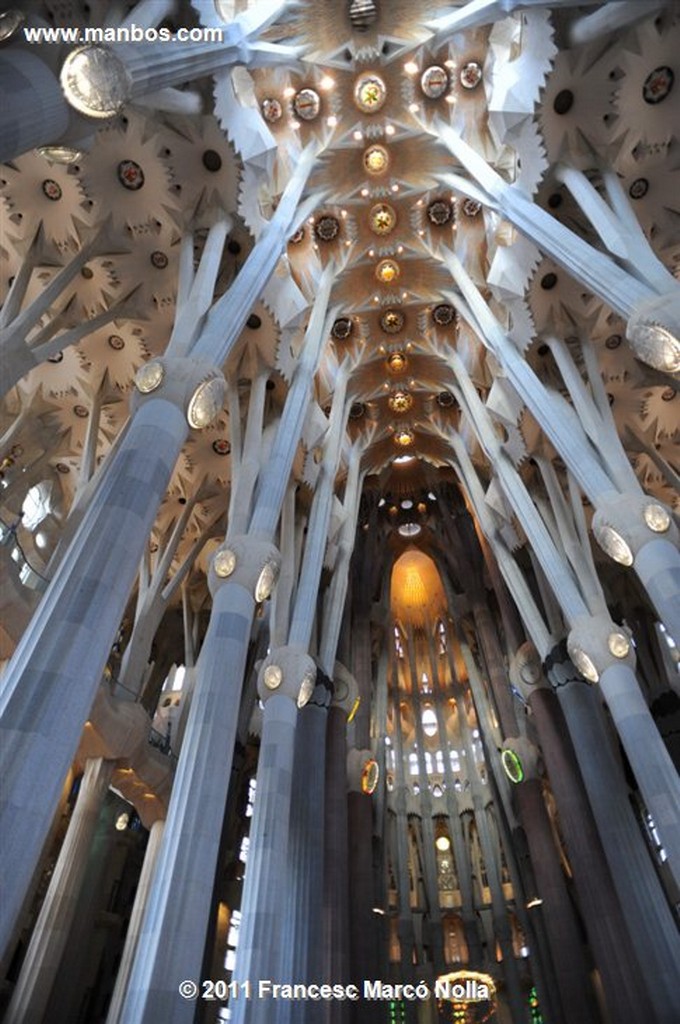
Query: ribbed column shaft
[
  {"x": 657, "y": 565},
  {"x": 51, "y": 931},
  {"x": 303, "y": 912},
  {"x": 614, "y": 952},
  {"x": 35, "y": 112},
  {"x": 641, "y": 897},
  {"x": 654, "y": 770},
  {"x": 260, "y": 951},
  {"x": 181, "y": 893},
  {"x": 362, "y": 921},
  {"x": 135, "y": 923},
  {"x": 51, "y": 681},
  {"x": 336, "y": 878}
]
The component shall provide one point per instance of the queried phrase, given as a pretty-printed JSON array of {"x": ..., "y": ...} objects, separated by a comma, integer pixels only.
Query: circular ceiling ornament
[
  {"x": 158, "y": 259},
  {"x": 327, "y": 228},
  {"x": 548, "y": 282},
  {"x": 639, "y": 188},
  {"x": 376, "y": 159},
  {"x": 563, "y": 102},
  {"x": 130, "y": 175},
  {"x": 392, "y": 321},
  {"x": 434, "y": 82},
  {"x": 658, "y": 84},
  {"x": 370, "y": 93},
  {"x": 613, "y": 341},
  {"x": 62, "y": 467},
  {"x": 445, "y": 400},
  {"x": 668, "y": 394},
  {"x": 10, "y": 23},
  {"x": 471, "y": 207},
  {"x": 212, "y": 161},
  {"x": 404, "y": 437},
  {"x": 307, "y": 104},
  {"x": 397, "y": 362},
  {"x": 95, "y": 81},
  {"x": 81, "y": 411},
  {"x": 56, "y": 358},
  {"x": 342, "y": 328},
  {"x": 443, "y": 314},
  {"x": 400, "y": 401},
  {"x": 116, "y": 342},
  {"x": 471, "y": 74},
  {"x": 382, "y": 219},
  {"x": 52, "y": 189},
  {"x": 387, "y": 271},
  {"x": 149, "y": 377},
  {"x": 272, "y": 109},
  {"x": 440, "y": 212},
  {"x": 221, "y": 446},
  {"x": 357, "y": 410}
]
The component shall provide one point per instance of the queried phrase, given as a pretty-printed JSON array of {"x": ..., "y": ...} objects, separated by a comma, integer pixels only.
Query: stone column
[
  {"x": 363, "y": 930},
  {"x": 51, "y": 932},
  {"x": 35, "y": 112},
  {"x": 336, "y": 879},
  {"x": 302, "y": 926},
  {"x": 285, "y": 683},
  {"x": 65, "y": 648},
  {"x": 609, "y": 657},
  {"x": 181, "y": 892},
  {"x": 562, "y": 928},
  {"x": 135, "y": 923},
  {"x": 641, "y": 896},
  {"x": 612, "y": 945}
]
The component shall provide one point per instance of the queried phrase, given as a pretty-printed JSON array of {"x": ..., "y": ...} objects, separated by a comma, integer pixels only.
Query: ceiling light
[
  {"x": 327, "y": 83},
  {"x": 410, "y": 68},
  {"x": 390, "y": 129},
  {"x": 332, "y": 121},
  {"x": 443, "y": 843},
  {"x": 404, "y": 437},
  {"x": 370, "y": 776}
]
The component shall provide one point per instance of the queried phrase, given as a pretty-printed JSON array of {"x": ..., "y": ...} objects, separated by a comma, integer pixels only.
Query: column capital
[
  {"x": 194, "y": 386},
  {"x": 519, "y": 758},
  {"x": 363, "y": 773},
  {"x": 624, "y": 523},
  {"x": 526, "y": 670},
  {"x": 653, "y": 331},
  {"x": 249, "y": 563},
  {"x": 288, "y": 672},
  {"x": 595, "y": 643},
  {"x": 345, "y": 690}
]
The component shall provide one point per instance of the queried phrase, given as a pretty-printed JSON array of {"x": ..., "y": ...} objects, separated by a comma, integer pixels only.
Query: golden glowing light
[
  {"x": 387, "y": 271},
  {"x": 383, "y": 219}
]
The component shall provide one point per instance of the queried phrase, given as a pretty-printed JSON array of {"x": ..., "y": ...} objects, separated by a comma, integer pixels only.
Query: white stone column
[
  {"x": 34, "y": 112},
  {"x": 135, "y": 923},
  {"x": 51, "y": 931}
]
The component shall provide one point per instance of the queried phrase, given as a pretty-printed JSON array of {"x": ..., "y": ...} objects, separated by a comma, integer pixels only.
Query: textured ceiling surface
[{"x": 516, "y": 90}]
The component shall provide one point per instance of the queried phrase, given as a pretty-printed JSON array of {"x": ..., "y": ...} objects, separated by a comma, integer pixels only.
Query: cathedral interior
[{"x": 340, "y": 594}]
